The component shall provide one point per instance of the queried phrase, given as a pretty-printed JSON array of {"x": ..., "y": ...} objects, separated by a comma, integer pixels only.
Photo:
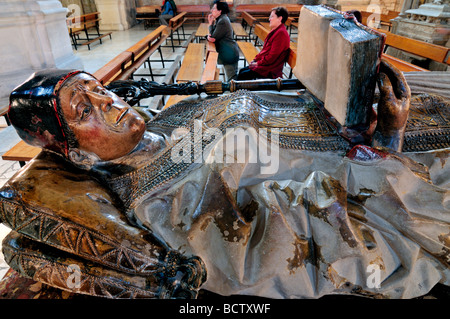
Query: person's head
[
  {"x": 71, "y": 113},
  {"x": 219, "y": 8},
  {"x": 278, "y": 16}
]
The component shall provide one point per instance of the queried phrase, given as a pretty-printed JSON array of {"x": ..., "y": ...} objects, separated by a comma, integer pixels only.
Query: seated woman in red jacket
[{"x": 269, "y": 62}]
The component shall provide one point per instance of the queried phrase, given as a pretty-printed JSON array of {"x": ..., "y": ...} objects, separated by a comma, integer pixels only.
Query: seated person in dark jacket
[
  {"x": 221, "y": 33},
  {"x": 269, "y": 62}
]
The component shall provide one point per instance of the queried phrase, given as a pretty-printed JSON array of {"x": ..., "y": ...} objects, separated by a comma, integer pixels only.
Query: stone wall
[{"x": 34, "y": 37}]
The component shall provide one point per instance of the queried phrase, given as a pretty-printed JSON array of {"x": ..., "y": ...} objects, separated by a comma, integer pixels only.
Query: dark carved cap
[{"x": 35, "y": 113}]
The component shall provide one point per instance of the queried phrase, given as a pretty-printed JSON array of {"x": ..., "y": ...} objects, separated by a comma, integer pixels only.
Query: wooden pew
[
  {"x": 263, "y": 10},
  {"x": 4, "y": 112},
  {"x": 196, "y": 11},
  {"x": 124, "y": 65},
  {"x": 85, "y": 22},
  {"x": 143, "y": 49},
  {"x": 261, "y": 33},
  {"x": 420, "y": 48},
  {"x": 192, "y": 69},
  {"x": 239, "y": 31},
  {"x": 192, "y": 65},
  {"x": 383, "y": 19},
  {"x": 114, "y": 68},
  {"x": 21, "y": 152},
  {"x": 147, "y": 14},
  {"x": 248, "y": 50},
  {"x": 291, "y": 23},
  {"x": 403, "y": 65},
  {"x": 210, "y": 72},
  {"x": 174, "y": 24},
  {"x": 423, "y": 49}
]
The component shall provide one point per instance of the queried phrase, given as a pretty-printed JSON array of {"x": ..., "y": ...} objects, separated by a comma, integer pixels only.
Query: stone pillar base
[{"x": 116, "y": 14}]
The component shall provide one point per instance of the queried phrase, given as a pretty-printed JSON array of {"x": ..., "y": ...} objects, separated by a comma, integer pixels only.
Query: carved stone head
[{"x": 70, "y": 112}]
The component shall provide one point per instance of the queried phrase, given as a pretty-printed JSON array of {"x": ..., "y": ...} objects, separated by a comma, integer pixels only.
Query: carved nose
[{"x": 103, "y": 101}]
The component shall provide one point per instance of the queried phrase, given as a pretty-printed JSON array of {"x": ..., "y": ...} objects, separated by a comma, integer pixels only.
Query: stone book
[{"x": 337, "y": 61}]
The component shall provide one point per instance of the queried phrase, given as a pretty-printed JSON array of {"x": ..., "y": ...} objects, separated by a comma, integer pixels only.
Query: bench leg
[
  {"x": 162, "y": 58},
  {"x": 87, "y": 34},
  {"x": 74, "y": 41},
  {"x": 150, "y": 69},
  {"x": 178, "y": 34},
  {"x": 171, "y": 38}
]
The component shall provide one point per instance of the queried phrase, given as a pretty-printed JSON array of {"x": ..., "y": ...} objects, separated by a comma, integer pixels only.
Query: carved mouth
[{"x": 121, "y": 115}]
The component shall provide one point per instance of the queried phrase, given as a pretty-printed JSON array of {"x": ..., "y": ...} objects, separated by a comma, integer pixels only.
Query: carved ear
[{"x": 82, "y": 158}]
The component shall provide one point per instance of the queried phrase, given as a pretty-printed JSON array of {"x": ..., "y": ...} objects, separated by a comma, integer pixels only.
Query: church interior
[{"x": 99, "y": 37}]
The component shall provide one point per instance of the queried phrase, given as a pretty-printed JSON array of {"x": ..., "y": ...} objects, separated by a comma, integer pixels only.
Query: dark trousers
[{"x": 247, "y": 74}]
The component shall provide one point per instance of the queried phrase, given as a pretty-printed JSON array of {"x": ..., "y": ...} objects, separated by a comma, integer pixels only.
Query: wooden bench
[
  {"x": 192, "y": 69},
  {"x": 419, "y": 48},
  {"x": 174, "y": 24},
  {"x": 192, "y": 65},
  {"x": 239, "y": 31},
  {"x": 291, "y": 23},
  {"x": 261, "y": 32},
  {"x": 402, "y": 65},
  {"x": 21, "y": 152},
  {"x": 4, "y": 113},
  {"x": 142, "y": 51},
  {"x": 248, "y": 50},
  {"x": 195, "y": 12},
  {"x": 124, "y": 65},
  {"x": 202, "y": 31},
  {"x": 382, "y": 19},
  {"x": 263, "y": 10},
  {"x": 85, "y": 22},
  {"x": 147, "y": 14}
]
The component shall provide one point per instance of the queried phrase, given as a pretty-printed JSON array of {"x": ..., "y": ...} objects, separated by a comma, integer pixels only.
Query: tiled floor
[{"x": 92, "y": 59}]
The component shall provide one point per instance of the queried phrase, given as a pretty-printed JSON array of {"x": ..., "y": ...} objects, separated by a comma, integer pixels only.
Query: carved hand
[{"x": 393, "y": 107}]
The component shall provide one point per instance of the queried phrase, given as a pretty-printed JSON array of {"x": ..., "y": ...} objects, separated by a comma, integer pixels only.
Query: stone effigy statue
[{"x": 248, "y": 193}]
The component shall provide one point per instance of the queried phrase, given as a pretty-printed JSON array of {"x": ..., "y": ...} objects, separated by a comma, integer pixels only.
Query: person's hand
[
  {"x": 253, "y": 64},
  {"x": 210, "y": 39},
  {"x": 211, "y": 19},
  {"x": 393, "y": 107}
]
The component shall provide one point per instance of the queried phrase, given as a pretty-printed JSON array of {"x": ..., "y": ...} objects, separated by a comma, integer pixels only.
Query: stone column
[
  {"x": 116, "y": 14},
  {"x": 34, "y": 36}
]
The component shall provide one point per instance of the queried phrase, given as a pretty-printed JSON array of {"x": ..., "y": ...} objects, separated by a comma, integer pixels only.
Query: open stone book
[{"x": 337, "y": 61}]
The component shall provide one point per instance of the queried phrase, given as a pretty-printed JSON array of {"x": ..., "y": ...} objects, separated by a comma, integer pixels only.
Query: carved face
[
  {"x": 101, "y": 122},
  {"x": 216, "y": 13}
]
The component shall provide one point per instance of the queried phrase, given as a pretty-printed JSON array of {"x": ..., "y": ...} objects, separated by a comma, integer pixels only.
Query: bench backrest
[
  {"x": 113, "y": 68},
  {"x": 261, "y": 32},
  {"x": 248, "y": 18},
  {"x": 423, "y": 49},
  {"x": 82, "y": 18},
  {"x": 146, "y": 43},
  {"x": 177, "y": 20},
  {"x": 209, "y": 73},
  {"x": 382, "y": 17},
  {"x": 124, "y": 64}
]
